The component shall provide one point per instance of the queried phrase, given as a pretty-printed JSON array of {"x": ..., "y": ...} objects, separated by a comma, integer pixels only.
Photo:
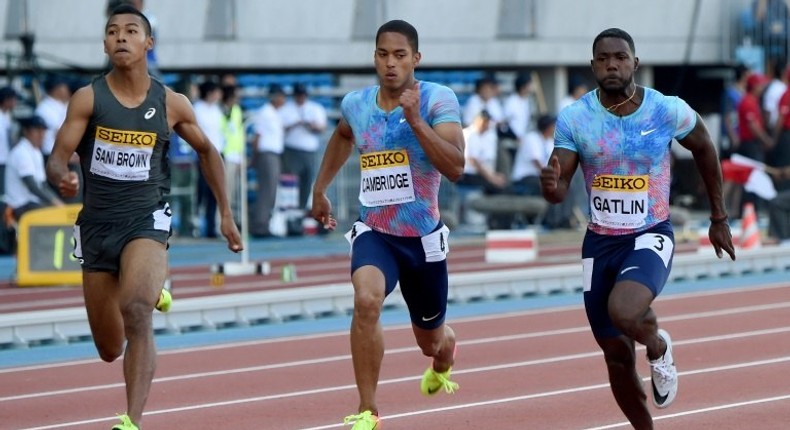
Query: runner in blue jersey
[
  {"x": 620, "y": 134},
  {"x": 408, "y": 134}
]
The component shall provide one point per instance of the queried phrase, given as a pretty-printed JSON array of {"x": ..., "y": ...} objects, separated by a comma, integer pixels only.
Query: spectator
[
  {"x": 780, "y": 154},
  {"x": 773, "y": 92},
  {"x": 754, "y": 138},
  {"x": 518, "y": 111},
  {"x": 52, "y": 109},
  {"x": 731, "y": 99},
  {"x": 268, "y": 143},
  {"x": 485, "y": 98},
  {"x": 532, "y": 154},
  {"x": 304, "y": 120},
  {"x": 25, "y": 177},
  {"x": 182, "y": 173},
  {"x": 480, "y": 154},
  {"x": 235, "y": 136},
  {"x": 209, "y": 118},
  {"x": 576, "y": 89},
  {"x": 8, "y": 99}
]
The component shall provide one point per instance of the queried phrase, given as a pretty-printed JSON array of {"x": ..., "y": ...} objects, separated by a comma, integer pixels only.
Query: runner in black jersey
[{"x": 120, "y": 125}]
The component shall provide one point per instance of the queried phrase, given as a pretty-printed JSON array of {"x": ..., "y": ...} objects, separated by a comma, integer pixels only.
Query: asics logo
[
  {"x": 150, "y": 113},
  {"x": 426, "y": 319},
  {"x": 646, "y": 132}
]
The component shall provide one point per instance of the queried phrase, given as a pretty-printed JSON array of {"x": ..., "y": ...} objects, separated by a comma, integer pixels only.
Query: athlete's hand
[
  {"x": 231, "y": 232},
  {"x": 721, "y": 239},
  {"x": 69, "y": 185},
  {"x": 322, "y": 211},
  {"x": 550, "y": 176},
  {"x": 410, "y": 102}
]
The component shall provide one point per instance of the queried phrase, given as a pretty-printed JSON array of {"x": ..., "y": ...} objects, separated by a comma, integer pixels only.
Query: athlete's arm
[
  {"x": 698, "y": 141},
  {"x": 442, "y": 143},
  {"x": 181, "y": 118},
  {"x": 67, "y": 140},
  {"x": 555, "y": 177},
  {"x": 338, "y": 149}
]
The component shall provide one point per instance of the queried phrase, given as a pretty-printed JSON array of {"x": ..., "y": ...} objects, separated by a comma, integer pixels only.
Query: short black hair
[
  {"x": 207, "y": 87},
  {"x": 524, "y": 78},
  {"x": 402, "y": 27},
  {"x": 741, "y": 70},
  {"x": 127, "y": 9},
  {"x": 617, "y": 34}
]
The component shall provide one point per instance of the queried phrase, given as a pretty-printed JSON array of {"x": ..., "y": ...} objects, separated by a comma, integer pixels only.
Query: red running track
[{"x": 526, "y": 370}]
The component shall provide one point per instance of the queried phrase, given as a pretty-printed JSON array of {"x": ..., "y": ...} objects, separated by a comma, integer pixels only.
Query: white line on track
[
  {"x": 457, "y": 321},
  {"x": 701, "y": 411},
  {"x": 744, "y": 309},
  {"x": 545, "y": 394}
]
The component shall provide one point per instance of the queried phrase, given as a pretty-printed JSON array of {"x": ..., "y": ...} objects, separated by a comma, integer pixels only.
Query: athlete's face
[
  {"x": 125, "y": 39},
  {"x": 395, "y": 60},
  {"x": 613, "y": 64}
]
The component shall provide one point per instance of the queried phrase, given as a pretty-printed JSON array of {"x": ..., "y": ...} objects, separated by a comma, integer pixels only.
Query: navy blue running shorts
[
  {"x": 98, "y": 245},
  {"x": 418, "y": 263},
  {"x": 644, "y": 257}
]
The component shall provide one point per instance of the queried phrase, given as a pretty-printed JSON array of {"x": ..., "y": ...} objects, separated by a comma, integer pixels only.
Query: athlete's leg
[
  {"x": 367, "y": 339},
  {"x": 624, "y": 381},
  {"x": 438, "y": 343},
  {"x": 142, "y": 274},
  {"x": 104, "y": 314},
  {"x": 629, "y": 309}
]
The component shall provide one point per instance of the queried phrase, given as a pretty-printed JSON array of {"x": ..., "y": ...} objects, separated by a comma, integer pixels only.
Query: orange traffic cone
[{"x": 750, "y": 239}]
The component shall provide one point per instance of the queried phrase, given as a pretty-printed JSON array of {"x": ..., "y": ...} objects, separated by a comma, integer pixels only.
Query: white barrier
[{"x": 212, "y": 312}]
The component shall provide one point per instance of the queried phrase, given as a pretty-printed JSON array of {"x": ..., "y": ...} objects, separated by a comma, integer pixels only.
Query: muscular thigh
[
  {"x": 644, "y": 258},
  {"x": 423, "y": 278}
]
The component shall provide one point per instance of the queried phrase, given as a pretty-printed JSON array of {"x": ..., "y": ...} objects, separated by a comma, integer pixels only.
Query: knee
[
  {"x": 367, "y": 305},
  {"x": 430, "y": 347},
  {"x": 137, "y": 317},
  {"x": 625, "y": 323},
  {"x": 109, "y": 352}
]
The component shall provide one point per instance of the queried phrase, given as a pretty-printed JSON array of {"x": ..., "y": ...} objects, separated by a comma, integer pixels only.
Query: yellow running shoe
[
  {"x": 363, "y": 421},
  {"x": 433, "y": 381},
  {"x": 126, "y": 423},
  {"x": 165, "y": 300}
]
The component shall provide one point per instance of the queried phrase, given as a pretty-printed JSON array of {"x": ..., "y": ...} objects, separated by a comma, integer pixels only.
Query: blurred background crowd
[{"x": 269, "y": 102}]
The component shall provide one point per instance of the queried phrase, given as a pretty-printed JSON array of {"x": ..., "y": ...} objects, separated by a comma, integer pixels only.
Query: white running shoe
[{"x": 664, "y": 375}]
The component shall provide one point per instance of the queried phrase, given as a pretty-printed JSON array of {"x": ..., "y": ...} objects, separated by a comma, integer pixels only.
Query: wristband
[{"x": 719, "y": 220}]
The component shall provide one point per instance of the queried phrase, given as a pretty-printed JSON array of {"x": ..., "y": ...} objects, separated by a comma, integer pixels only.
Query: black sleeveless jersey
[{"x": 123, "y": 155}]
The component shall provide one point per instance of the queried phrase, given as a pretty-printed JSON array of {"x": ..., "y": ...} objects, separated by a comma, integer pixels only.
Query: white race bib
[
  {"x": 122, "y": 155},
  {"x": 385, "y": 178},
  {"x": 619, "y": 201}
]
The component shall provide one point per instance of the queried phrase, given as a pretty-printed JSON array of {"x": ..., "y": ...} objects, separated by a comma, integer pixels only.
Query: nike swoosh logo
[
  {"x": 431, "y": 318},
  {"x": 402, "y": 120},
  {"x": 646, "y": 132},
  {"x": 628, "y": 269},
  {"x": 659, "y": 398}
]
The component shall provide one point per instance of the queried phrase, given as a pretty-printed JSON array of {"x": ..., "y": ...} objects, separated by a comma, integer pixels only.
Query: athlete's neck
[
  {"x": 389, "y": 98},
  {"x": 130, "y": 86}
]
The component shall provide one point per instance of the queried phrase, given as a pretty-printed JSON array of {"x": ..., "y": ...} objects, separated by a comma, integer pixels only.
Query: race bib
[
  {"x": 385, "y": 178},
  {"x": 619, "y": 201},
  {"x": 122, "y": 155}
]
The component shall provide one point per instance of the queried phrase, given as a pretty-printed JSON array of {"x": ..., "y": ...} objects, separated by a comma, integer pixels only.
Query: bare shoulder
[
  {"x": 179, "y": 108},
  {"x": 81, "y": 102}
]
